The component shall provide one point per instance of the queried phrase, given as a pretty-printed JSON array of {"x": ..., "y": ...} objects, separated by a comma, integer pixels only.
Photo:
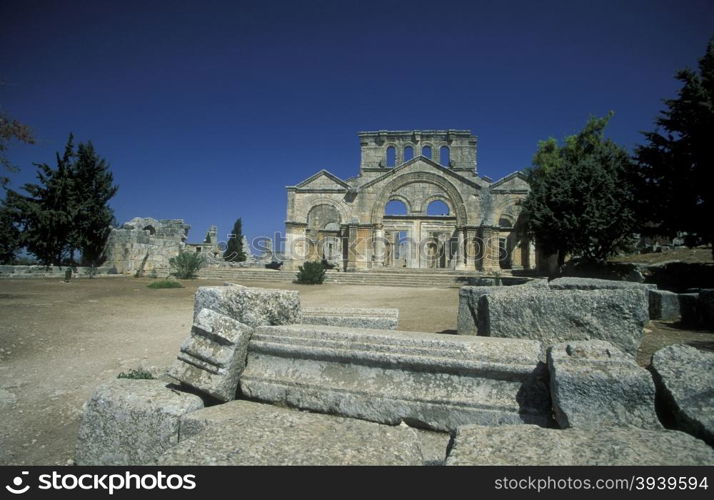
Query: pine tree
[
  {"x": 676, "y": 166},
  {"x": 93, "y": 188},
  {"x": 234, "y": 250},
  {"x": 580, "y": 201},
  {"x": 11, "y": 129}
]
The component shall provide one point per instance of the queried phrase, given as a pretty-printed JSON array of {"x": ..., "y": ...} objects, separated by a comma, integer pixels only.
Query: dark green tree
[
  {"x": 580, "y": 201},
  {"x": 234, "y": 249},
  {"x": 10, "y": 238},
  {"x": 66, "y": 211},
  {"x": 93, "y": 187},
  {"x": 675, "y": 182}
]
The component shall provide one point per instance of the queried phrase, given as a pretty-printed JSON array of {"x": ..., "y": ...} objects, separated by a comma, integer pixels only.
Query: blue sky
[{"x": 206, "y": 110}]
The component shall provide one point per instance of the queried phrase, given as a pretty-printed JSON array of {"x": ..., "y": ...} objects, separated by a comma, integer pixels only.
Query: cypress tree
[{"x": 234, "y": 250}]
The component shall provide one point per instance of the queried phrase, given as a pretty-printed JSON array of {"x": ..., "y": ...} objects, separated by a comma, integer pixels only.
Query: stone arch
[
  {"x": 438, "y": 197},
  {"x": 340, "y": 207},
  {"x": 456, "y": 202},
  {"x": 398, "y": 197},
  {"x": 322, "y": 215}
]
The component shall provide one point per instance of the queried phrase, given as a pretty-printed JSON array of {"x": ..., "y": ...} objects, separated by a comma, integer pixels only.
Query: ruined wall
[{"x": 144, "y": 245}]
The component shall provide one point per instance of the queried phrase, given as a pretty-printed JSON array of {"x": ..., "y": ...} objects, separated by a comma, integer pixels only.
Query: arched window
[
  {"x": 437, "y": 207},
  {"x": 426, "y": 151},
  {"x": 444, "y": 157},
  {"x": 504, "y": 222},
  {"x": 408, "y": 153},
  {"x": 151, "y": 230},
  {"x": 395, "y": 207},
  {"x": 391, "y": 156}
]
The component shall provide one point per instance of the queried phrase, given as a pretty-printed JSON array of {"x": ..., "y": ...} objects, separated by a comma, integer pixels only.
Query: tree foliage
[
  {"x": 187, "y": 264},
  {"x": 66, "y": 211},
  {"x": 676, "y": 166},
  {"x": 11, "y": 129},
  {"x": 234, "y": 249},
  {"x": 311, "y": 273},
  {"x": 580, "y": 201}
]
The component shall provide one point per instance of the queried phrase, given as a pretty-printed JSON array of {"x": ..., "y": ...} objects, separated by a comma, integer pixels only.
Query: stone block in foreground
[
  {"x": 212, "y": 358},
  {"x": 426, "y": 380},
  {"x": 592, "y": 383},
  {"x": 131, "y": 422},
  {"x": 377, "y": 318},
  {"x": 467, "y": 319},
  {"x": 685, "y": 380},
  {"x": 251, "y": 306},
  {"x": 664, "y": 305},
  {"x": 533, "y": 445},
  {"x": 554, "y": 316},
  {"x": 574, "y": 283},
  {"x": 247, "y": 433}
]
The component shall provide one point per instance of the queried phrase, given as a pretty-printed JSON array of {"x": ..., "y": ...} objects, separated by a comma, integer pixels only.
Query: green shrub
[
  {"x": 138, "y": 373},
  {"x": 311, "y": 273},
  {"x": 164, "y": 284},
  {"x": 187, "y": 264}
]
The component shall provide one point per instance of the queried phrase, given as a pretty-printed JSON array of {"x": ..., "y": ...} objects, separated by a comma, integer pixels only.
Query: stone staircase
[{"x": 398, "y": 277}]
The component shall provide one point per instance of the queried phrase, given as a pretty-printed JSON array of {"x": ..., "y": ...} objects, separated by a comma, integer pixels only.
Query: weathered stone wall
[{"x": 145, "y": 245}]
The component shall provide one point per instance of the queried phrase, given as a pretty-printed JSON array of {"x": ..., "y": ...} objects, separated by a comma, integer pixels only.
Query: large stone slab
[
  {"x": 664, "y": 305},
  {"x": 467, "y": 320},
  {"x": 247, "y": 433},
  {"x": 365, "y": 317},
  {"x": 554, "y": 316},
  {"x": 212, "y": 358},
  {"x": 250, "y": 306},
  {"x": 533, "y": 445},
  {"x": 573, "y": 283},
  {"x": 689, "y": 310},
  {"x": 131, "y": 422},
  {"x": 592, "y": 383},
  {"x": 427, "y": 380},
  {"x": 685, "y": 380}
]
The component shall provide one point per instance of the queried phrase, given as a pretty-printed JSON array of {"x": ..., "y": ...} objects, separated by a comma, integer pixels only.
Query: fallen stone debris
[{"x": 539, "y": 375}]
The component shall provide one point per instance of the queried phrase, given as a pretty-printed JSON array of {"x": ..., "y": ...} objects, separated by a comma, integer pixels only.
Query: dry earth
[{"x": 58, "y": 341}]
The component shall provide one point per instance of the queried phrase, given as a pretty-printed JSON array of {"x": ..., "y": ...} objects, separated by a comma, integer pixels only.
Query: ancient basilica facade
[{"x": 417, "y": 202}]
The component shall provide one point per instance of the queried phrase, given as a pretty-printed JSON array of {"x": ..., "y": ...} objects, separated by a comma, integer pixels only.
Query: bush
[
  {"x": 138, "y": 373},
  {"x": 311, "y": 273},
  {"x": 187, "y": 264},
  {"x": 164, "y": 284}
]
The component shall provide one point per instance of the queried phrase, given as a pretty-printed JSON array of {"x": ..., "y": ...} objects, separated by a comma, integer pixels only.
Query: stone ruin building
[
  {"x": 145, "y": 245},
  {"x": 350, "y": 223}
]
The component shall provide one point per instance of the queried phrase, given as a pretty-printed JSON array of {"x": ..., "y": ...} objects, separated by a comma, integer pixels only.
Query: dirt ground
[{"x": 58, "y": 341}]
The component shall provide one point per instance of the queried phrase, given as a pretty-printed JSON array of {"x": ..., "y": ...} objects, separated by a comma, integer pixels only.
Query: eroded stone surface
[
  {"x": 663, "y": 305},
  {"x": 251, "y": 306},
  {"x": 533, "y": 445},
  {"x": 365, "y": 317},
  {"x": 573, "y": 283},
  {"x": 685, "y": 379},
  {"x": 554, "y": 316},
  {"x": 592, "y": 383},
  {"x": 212, "y": 358},
  {"x": 131, "y": 422},
  {"x": 426, "y": 380},
  {"x": 467, "y": 321},
  {"x": 247, "y": 433}
]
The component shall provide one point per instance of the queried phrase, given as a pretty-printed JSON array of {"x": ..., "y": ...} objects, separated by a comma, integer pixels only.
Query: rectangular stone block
[
  {"x": 247, "y": 433},
  {"x": 131, "y": 422},
  {"x": 251, "y": 306},
  {"x": 663, "y": 305},
  {"x": 430, "y": 380},
  {"x": 533, "y": 445},
  {"x": 212, "y": 358},
  {"x": 689, "y": 310},
  {"x": 376, "y": 318},
  {"x": 592, "y": 384},
  {"x": 573, "y": 283},
  {"x": 554, "y": 316},
  {"x": 467, "y": 320}
]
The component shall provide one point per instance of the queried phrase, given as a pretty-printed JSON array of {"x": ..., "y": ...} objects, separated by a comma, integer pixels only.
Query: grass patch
[{"x": 164, "y": 284}]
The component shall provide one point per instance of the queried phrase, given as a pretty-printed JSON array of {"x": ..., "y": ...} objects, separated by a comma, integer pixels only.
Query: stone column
[
  {"x": 295, "y": 249},
  {"x": 489, "y": 237},
  {"x": 470, "y": 249},
  {"x": 517, "y": 253},
  {"x": 351, "y": 247},
  {"x": 531, "y": 255},
  {"x": 379, "y": 245},
  {"x": 460, "y": 250}
]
